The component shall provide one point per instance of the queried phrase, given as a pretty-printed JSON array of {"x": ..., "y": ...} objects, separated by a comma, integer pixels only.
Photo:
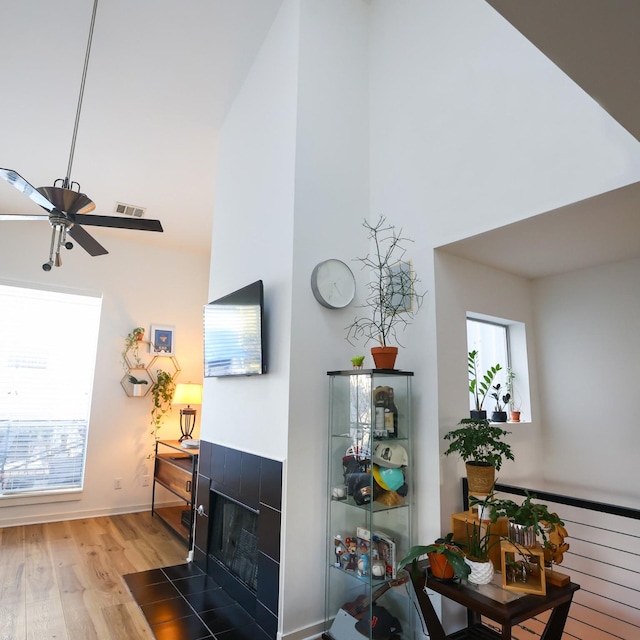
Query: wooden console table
[{"x": 507, "y": 611}]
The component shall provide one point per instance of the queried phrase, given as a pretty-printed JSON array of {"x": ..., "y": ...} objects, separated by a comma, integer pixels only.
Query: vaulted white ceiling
[{"x": 162, "y": 75}]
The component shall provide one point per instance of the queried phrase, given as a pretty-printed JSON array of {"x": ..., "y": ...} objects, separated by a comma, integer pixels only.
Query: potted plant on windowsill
[
  {"x": 392, "y": 299},
  {"x": 446, "y": 559},
  {"x": 482, "y": 448},
  {"x": 479, "y": 386},
  {"x": 514, "y": 400},
  {"x": 499, "y": 414}
]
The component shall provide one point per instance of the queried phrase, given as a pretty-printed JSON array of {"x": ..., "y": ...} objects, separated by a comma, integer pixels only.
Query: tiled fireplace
[{"x": 237, "y": 540}]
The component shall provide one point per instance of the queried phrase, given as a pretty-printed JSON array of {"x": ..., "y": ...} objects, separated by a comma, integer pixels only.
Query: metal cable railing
[{"x": 604, "y": 559}]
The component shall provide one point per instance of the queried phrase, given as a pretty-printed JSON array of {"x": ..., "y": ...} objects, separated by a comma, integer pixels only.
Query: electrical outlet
[
  {"x": 117, "y": 483},
  {"x": 145, "y": 481}
]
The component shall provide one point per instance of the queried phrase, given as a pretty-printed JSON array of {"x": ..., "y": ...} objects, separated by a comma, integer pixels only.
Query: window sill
[{"x": 41, "y": 497}]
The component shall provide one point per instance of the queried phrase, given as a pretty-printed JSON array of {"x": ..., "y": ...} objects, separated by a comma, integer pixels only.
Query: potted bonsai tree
[
  {"x": 392, "y": 299},
  {"x": 479, "y": 386},
  {"x": 446, "y": 559},
  {"x": 499, "y": 414},
  {"x": 481, "y": 446}
]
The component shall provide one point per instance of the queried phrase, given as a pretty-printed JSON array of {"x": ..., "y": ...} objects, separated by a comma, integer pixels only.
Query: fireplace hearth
[{"x": 237, "y": 538}]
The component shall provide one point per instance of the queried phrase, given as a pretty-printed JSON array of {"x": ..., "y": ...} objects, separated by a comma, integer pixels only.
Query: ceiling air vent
[{"x": 130, "y": 210}]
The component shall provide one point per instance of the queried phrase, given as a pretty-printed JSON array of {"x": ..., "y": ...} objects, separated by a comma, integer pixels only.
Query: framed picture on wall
[
  {"x": 162, "y": 340},
  {"x": 401, "y": 285}
]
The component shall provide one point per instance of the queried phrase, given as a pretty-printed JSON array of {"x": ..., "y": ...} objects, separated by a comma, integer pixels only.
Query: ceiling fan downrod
[{"x": 59, "y": 226}]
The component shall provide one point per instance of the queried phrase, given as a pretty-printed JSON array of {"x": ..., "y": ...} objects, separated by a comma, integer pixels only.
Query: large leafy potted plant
[
  {"x": 527, "y": 520},
  {"x": 479, "y": 386},
  {"x": 392, "y": 299},
  {"x": 446, "y": 559},
  {"x": 481, "y": 446}
]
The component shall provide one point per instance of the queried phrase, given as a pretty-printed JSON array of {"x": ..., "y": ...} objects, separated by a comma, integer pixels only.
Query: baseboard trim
[
  {"x": 308, "y": 633},
  {"x": 18, "y": 521}
]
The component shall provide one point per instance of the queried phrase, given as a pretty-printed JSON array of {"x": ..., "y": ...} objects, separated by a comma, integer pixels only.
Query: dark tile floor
[{"x": 183, "y": 603}]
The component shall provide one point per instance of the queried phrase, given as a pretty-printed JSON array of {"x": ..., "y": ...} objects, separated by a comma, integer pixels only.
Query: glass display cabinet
[{"x": 370, "y": 495}]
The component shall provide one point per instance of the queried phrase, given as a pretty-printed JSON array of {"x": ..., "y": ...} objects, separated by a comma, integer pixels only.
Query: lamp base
[{"x": 187, "y": 423}]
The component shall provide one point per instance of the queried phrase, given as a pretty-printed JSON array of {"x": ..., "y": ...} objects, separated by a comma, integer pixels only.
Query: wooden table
[{"x": 489, "y": 601}]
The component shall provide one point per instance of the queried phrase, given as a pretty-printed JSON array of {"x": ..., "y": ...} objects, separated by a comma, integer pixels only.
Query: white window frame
[
  {"x": 516, "y": 360},
  {"x": 44, "y": 418}
]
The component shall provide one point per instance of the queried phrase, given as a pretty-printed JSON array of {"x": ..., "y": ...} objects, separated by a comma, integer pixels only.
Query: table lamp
[{"x": 187, "y": 394}]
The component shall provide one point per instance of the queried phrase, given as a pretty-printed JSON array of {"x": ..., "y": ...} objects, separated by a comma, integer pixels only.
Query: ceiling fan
[{"x": 68, "y": 209}]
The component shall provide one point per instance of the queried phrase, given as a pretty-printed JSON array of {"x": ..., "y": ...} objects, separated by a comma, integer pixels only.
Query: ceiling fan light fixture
[{"x": 67, "y": 200}]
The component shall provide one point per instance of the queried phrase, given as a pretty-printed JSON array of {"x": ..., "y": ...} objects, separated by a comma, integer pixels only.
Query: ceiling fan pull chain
[{"x": 82, "y": 83}]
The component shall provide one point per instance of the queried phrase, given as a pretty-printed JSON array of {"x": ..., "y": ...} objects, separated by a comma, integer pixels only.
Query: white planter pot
[
  {"x": 137, "y": 389},
  {"x": 481, "y": 572}
]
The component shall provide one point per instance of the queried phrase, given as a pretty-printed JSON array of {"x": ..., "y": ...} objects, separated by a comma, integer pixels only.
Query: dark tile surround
[
  {"x": 203, "y": 600},
  {"x": 183, "y": 603}
]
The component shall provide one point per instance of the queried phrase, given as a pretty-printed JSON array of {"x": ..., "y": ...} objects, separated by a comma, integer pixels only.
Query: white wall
[
  {"x": 469, "y": 127},
  {"x": 252, "y": 239},
  {"x": 588, "y": 349},
  {"x": 292, "y": 191},
  {"x": 505, "y": 296},
  {"x": 140, "y": 285}
]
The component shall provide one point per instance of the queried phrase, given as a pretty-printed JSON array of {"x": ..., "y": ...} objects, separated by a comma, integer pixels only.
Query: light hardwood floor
[{"x": 63, "y": 580}]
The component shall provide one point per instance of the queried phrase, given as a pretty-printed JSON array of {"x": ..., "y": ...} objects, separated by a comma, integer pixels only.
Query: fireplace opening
[{"x": 233, "y": 539}]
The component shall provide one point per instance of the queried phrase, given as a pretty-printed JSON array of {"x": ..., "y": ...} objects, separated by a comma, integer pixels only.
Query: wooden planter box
[{"x": 535, "y": 578}]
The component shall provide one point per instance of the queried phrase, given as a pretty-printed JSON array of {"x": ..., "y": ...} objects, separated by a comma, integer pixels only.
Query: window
[
  {"x": 491, "y": 340},
  {"x": 48, "y": 342},
  {"x": 501, "y": 342}
]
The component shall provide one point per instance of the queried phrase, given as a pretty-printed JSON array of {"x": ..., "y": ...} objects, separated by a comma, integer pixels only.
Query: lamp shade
[{"x": 187, "y": 394}]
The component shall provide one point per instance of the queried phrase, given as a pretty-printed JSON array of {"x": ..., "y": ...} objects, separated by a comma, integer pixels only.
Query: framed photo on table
[{"x": 162, "y": 340}]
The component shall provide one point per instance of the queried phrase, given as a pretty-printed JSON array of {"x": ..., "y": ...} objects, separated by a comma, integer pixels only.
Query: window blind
[{"x": 48, "y": 342}]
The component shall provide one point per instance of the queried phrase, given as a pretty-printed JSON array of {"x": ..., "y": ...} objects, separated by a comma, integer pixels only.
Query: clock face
[{"x": 333, "y": 284}]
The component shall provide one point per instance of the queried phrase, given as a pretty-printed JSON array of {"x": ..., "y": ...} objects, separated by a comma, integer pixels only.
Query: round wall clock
[{"x": 333, "y": 284}]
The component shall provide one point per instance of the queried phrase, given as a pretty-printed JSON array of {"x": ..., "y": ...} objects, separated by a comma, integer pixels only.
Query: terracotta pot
[
  {"x": 515, "y": 416},
  {"x": 481, "y": 478},
  {"x": 384, "y": 357},
  {"x": 440, "y": 567}
]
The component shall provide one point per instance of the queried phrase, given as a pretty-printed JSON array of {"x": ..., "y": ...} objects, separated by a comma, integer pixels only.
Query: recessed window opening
[
  {"x": 48, "y": 343},
  {"x": 502, "y": 342}
]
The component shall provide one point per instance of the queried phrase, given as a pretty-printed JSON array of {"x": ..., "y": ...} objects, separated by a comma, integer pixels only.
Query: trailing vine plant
[{"x": 161, "y": 395}]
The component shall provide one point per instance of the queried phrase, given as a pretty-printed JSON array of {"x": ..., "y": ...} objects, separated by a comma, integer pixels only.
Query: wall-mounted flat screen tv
[{"x": 233, "y": 334}]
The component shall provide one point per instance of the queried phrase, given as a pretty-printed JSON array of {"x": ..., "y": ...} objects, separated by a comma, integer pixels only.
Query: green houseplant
[
  {"x": 528, "y": 515},
  {"x": 479, "y": 386},
  {"x": 481, "y": 446},
  {"x": 499, "y": 414},
  {"x": 514, "y": 400},
  {"x": 132, "y": 344},
  {"x": 162, "y": 392},
  {"x": 446, "y": 559},
  {"x": 391, "y": 299}
]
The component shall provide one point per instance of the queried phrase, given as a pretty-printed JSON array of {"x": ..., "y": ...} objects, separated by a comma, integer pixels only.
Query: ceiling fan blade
[
  {"x": 21, "y": 216},
  {"x": 29, "y": 190},
  {"x": 86, "y": 241},
  {"x": 118, "y": 223}
]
